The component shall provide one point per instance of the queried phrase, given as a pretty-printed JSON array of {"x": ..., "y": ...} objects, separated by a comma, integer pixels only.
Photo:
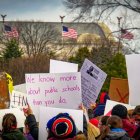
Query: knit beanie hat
[
  {"x": 62, "y": 126},
  {"x": 120, "y": 110}
]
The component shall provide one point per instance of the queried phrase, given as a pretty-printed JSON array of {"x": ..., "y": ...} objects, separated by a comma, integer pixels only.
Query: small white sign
[
  {"x": 92, "y": 80},
  {"x": 46, "y": 113},
  {"x": 110, "y": 104},
  {"x": 62, "y": 67},
  {"x": 18, "y": 100}
]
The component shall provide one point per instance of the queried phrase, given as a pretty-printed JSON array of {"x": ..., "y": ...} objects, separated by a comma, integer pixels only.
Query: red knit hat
[{"x": 94, "y": 121}]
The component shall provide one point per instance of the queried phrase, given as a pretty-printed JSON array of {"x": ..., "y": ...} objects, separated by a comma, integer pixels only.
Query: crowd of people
[{"x": 123, "y": 124}]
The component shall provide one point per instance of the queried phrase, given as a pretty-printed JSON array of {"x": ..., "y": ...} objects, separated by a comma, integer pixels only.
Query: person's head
[
  {"x": 120, "y": 110},
  {"x": 91, "y": 69},
  {"x": 136, "y": 114},
  {"x": 61, "y": 126},
  {"x": 114, "y": 122},
  {"x": 9, "y": 122},
  {"x": 80, "y": 137},
  {"x": 26, "y": 128},
  {"x": 103, "y": 122}
]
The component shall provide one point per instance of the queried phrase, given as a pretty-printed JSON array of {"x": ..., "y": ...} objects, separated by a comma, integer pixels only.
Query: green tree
[
  {"x": 80, "y": 56},
  {"x": 113, "y": 65},
  {"x": 12, "y": 50},
  {"x": 116, "y": 67}
]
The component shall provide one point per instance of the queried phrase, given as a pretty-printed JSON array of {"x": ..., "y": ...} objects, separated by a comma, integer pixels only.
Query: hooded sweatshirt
[{"x": 117, "y": 134}]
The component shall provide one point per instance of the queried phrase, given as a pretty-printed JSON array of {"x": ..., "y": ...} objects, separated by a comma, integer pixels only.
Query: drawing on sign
[
  {"x": 18, "y": 100},
  {"x": 122, "y": 99},
  {"x": 118, "y": 90}
]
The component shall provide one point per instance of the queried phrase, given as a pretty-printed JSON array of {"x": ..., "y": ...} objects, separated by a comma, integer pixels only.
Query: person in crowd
[
  {"x": 103, "y": 123},
  {"x": 136, "y": 116},
  {"x": 93, "y": 131},
  {"x": 31, "y": 124},
  {"x": 114, "y": 130},
  {"x": 9, "y": 128},
  {"x": 128, "y": 126},
  {"x": 100, "y": 107},
  {"x": 27, "y": 131},
  {"x": 62, "y": 126}
]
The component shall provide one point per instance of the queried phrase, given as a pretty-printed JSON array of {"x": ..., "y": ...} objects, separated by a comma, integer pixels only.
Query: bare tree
[
  {"x": 36, "y": 36},
  {"x": 86, "y": 7}
]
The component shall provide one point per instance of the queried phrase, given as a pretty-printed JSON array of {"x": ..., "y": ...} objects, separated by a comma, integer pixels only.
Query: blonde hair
[
  {"x": 80, "y": 137},
  {"x": 93, "y": 131}
]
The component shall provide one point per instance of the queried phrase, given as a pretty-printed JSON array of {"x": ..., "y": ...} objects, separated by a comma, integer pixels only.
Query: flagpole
[
  {"x": 62, "y": 18},
  {"x": 119, "y": 27}
]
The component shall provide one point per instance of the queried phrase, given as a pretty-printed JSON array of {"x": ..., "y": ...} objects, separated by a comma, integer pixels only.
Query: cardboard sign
[
  {"x": 20, "y": 88},
  {"x": 46, "y": 113},
  {"x": 92, "y": 79},
  {"x": 4, "y": 92},
  {"x": 17, "y": 112},
  {"x": 133, "y": 72},
  {"x": 119, "y": 90},
  {"x": 54, "y": 90},
  {"x": 110, "y": 104},
  {"x": 62, "y": 67},
  {"x": 18, "y": 100}
]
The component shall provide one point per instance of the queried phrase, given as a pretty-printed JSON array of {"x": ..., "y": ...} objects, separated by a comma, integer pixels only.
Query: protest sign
[
  {"x": 133, "y": 72},
  {"x": 46, "y": 113},
  {"x": 110, "y": 104},
  {"x": 119, "y": 90},
  {"x": 92, "y": 79},
  {"x": 17, "y": 112},
  {"x": 4, "y": 92},
  {"x": 18, "y": 100},
  {"x": 62, "y": 67},
  {"x": 54, "y": 90},
  {"x": 20, "y": 88}
]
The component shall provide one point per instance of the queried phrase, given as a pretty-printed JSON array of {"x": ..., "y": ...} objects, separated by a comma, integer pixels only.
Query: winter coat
[
  {"x": 31, "y": 121},
  {"x": 137, "y": 134},
  {"x": 13, "y": 135},
  {"x": 117, "y": 134},
  {"x": 129, "y": 127},
  {"x": 28, "y": 137}
]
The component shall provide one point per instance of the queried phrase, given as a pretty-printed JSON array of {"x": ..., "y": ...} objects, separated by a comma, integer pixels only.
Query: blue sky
[{"x": 45, "y": 10}]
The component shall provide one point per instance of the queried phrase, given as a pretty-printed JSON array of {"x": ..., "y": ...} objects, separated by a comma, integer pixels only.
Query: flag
[
  {"x": 10, "y": 32},
  {"x": 126, "y": 35},
  {"x": 69, "y": 32}
]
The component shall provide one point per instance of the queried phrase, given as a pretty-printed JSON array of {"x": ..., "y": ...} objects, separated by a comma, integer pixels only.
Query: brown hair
[
  {"x": 112, "y": 121},
  {"x": 9, "y": 122}
]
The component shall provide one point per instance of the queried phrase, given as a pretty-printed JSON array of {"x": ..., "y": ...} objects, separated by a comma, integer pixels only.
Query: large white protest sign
[
  {"x": 133, "y": 72},
  {"x": 20, "y": 88},
  {"x": 46, "y": 113},
  {"x": 18, "y": 100},
  {"x": 110, "y": 104},
  {"x": 17, "y": 112},
  {"x": 92, "y": 81},
  {"x": 54, "y": 90},
  {"x": 62, "y": 67}
]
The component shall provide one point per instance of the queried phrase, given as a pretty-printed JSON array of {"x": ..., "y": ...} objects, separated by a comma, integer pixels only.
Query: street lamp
[
  {"x": 3, "y": 18},
  {"x": 119, "y": 26}
]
